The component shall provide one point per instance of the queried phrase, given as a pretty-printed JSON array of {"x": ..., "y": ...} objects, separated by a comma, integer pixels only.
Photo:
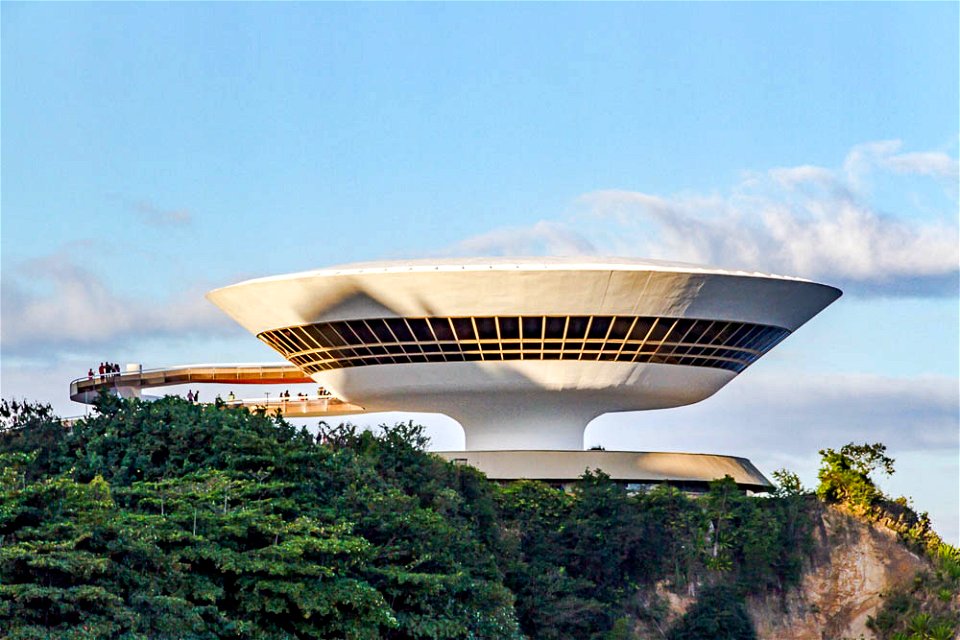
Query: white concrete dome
[{"x": 523, "y": 352}]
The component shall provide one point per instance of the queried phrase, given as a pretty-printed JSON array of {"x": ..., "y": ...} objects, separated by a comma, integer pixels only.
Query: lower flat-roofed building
[{"x": 637, "y": 470}]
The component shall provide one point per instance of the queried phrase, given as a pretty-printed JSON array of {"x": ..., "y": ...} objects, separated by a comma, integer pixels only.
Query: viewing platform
[{"x": 130, "y": 383}]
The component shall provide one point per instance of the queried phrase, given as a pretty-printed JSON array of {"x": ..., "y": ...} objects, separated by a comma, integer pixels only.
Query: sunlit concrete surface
[{"x": 691, "y": 470}]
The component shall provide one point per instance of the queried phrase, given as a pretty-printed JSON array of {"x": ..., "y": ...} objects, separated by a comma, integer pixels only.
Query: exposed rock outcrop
[{"x": 853, "y": 564}]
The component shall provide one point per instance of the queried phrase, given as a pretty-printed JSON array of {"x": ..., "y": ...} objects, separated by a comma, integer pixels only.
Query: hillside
[{"x": 174, "y": 520}]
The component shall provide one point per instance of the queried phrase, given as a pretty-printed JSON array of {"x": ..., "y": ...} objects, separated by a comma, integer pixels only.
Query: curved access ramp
[{"x": 130, "y": 383}]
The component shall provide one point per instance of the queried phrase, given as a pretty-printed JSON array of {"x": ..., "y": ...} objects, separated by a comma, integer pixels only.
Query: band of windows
[{"x": 373, "y": 341}]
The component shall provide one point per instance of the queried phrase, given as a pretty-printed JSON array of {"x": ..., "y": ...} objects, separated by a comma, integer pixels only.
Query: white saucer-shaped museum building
[{"x": 523, "y": 353}]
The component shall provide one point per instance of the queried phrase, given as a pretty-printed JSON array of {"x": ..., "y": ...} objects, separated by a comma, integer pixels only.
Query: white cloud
[
  {"x": 927, "y": 163},
  {"x": 864, "y": 159},
  {"x": 75, "y": 308},
  {"x": 544, "y": 237},
  {"x": 806, "y": 220}
]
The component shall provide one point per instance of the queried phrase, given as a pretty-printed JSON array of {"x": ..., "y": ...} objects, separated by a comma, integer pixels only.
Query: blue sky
[{"x": 151, "y": 152}]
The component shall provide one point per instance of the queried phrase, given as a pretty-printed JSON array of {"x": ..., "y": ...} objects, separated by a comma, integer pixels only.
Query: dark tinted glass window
[
  {"x": 346, "y": 335},
  {"x": 421, "y": 330},
  {"x": 720, "y": 332},
  {"x": 744, "y": 338},
  {"x": 509, "y": 328},
  {"x": 315, "y": 336},
  {"x": 441, "y": 329},
  {"x": 328, "y": 336},
  {"x": 680, "y": 330},
  {"x": 577, "y": 327},
  {"x": 464, "y": 329},
  {"x": 718, "y": 344},
  {"x": 703, "y": 332},
  {"x": 380, "y": 330},
  {"x": 598, "y": 328},
  {"x": 294, "y": 340},
  {"x": 281, "y": 339},
  {"x": 274, "y": 341},
  {"x": 762, "y": 338},
  {"x": 532, "y": 328},
  {"x": 339, "y": 354},
  {"x": 693, "y": 335},
  {"x": 620, "y": 328},
  {"x": 306, "y": 336},
  {"x": 398, "y": 326},
  {"x": 737, "y": 333},
  {"x": 641, "y": 329},
  {"x": 363, "y": 332},
  {"x": 660, "y": 329},
  {"x": 486, "y": 328},
  {"x": 555, "y": 328}
]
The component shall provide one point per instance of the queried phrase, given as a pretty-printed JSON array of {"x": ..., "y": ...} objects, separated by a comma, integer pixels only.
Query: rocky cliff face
[{"x": 854, "y": 563}]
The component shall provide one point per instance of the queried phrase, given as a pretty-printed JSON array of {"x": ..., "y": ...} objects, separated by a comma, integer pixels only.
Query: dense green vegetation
[{"x": 174, "y": 520}]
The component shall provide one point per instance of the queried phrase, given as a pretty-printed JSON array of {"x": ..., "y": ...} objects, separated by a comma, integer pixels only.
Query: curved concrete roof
[
  {"x": 517, "y": 286},
  {"x": 579, "y": 263}
]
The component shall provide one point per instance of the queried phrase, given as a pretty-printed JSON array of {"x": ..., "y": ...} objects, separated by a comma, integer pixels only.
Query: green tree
[
  {"x": 846, "y": 475},
  {"x": 718, "y": 614}
]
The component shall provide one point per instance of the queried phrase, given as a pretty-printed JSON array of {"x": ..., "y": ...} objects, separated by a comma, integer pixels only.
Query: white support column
[{"x": 522, "y": 421}]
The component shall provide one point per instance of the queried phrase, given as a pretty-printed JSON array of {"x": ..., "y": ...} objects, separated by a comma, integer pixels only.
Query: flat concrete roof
[{"x": 624, "y": 466}]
